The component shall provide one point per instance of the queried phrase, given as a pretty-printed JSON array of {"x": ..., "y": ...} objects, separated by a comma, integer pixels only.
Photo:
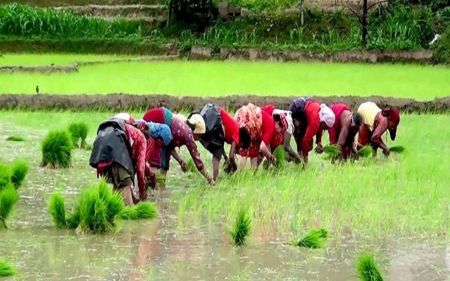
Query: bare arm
[
  {"x": 288, "y": 147},
  {"x": 266, "y": 152},
  {"x": 216, "y": 164}
]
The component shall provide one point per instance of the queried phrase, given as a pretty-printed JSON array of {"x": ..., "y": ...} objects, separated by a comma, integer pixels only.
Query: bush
[
  {"x": 441, "y": 53},
  {"x": 57, "y": 149},
  {"x": 79, "y": 131},
  {"x": 19, "y": 171},
  {"x": 96, "y": 210}
]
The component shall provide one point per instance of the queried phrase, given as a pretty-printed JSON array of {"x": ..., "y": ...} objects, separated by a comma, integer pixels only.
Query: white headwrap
[{"x": 326, "y": 115}]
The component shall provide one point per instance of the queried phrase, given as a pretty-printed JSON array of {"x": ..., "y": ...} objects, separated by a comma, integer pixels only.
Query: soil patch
[{"x": 125, "y": 102}]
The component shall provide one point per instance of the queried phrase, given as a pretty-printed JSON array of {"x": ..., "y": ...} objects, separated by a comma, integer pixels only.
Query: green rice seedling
[
  {"x": 332, "y": 150},
  {"x": 280, "y": 157},
  {"x": 98, "y": 207},
  {"x": 8, "y": 197},
  {"x": 365, "y": 152},
  {"x": 397, "y": 149},
  {"x": 143, "y": 210},
  {"x": 314, "y": 239},
  {"x": 5, "y": 176},
  {"x": 57, "y": 210},
  {"x": 367, "y": 269},
  {"x": 19, "y": 170},
  {"x": 241, "y": 228},
  {"x": 57, "y": 149},
  {"x": 15, "y": 138},
  {"x": 79, "y": 131},
  {"x": 6, "y": 269}
]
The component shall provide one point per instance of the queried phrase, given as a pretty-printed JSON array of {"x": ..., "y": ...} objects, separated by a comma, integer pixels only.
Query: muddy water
[{"x": 163, "y": 250}]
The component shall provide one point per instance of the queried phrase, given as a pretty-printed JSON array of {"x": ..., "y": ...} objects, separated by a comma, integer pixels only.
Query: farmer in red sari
[
  {"x": 344, "y": 130},
  {"x": 284, "y": 129},
  {"x": 311, "y": 118},
  {"x": 220, "y": 128},
  {"x": 261, "y": 128},
  {"x": 375, "y": 123}
]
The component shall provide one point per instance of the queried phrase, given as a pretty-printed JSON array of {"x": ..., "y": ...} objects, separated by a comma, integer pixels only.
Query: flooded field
[{"x": 190, "y": 238}]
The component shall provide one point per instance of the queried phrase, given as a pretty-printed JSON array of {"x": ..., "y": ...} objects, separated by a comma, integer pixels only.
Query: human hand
[
  {"x": 319, "y": 148},
  {"x": 183, "y": 166}
]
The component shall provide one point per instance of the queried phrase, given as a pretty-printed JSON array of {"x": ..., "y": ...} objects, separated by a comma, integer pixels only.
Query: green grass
[
  {"x": 404, "y": 195},
  {"x": 367, "y": 269},
  {"x": 48, "y": 59},
  {"x": 241, "y": 228},
  {"x": 217, "y": 78},
  {"x": 6, "y": 269}
]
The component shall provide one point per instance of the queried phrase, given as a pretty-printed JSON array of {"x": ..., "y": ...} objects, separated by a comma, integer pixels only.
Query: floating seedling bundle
[
  {"x": 97, "y": 209},
  {"x": 367, "y": 269},
  {"x": 79, "y": 131},
  {"x": 397, "y": 149},
  {"x": 57, "y": 150},
  {"x": 241, "y": 228},
  {"x": 314, "y": 239},
  {"x": 15, "y": 138}
]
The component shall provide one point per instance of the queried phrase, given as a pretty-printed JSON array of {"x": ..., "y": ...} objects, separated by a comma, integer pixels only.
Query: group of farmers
[{"x": 125, "y": 147}]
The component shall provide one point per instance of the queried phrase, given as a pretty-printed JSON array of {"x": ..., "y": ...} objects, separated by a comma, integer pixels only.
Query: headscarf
[
  {"x": 160, "y": 131},
  {"x": 249, "y": 116},
  {"x": 198, "y": 123},
  {"x": 326, "y": 115},
  {"x": 394, "y": 116},
  {"x": 155, "y": 130},
  {"x": 125, "y": 117}
]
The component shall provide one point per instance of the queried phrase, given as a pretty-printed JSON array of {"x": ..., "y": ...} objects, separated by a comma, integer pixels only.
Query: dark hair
[
  {"x": 299, "y": 116},
  {"x": 357, "y": 119},
  {"x": 244, "y": 138},
  {"x": 277, "y": 119}
]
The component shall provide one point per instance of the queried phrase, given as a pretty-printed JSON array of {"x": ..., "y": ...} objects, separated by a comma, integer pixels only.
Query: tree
[{"x": 361, "y": 11}]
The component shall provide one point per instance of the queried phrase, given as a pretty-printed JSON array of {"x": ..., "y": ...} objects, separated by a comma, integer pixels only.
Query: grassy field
[{"x": 217, "y": 78}]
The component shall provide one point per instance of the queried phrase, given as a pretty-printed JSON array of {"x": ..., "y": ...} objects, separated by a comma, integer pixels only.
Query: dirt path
[{"x": 122, "y": 102}]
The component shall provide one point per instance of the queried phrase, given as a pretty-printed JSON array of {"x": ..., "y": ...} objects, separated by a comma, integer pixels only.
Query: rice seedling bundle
[
  {"x": 280, "y": 157},
  {"x": 397, "y": 149},
  {"x": 8, "y": 197},
  {"x": 79, "y": 131},
  {"x": 314, "y": 239},
  {"x": 19, "y": 170},
  {"x": 15, "y": 138},
  {"x": 142, "y": 210},
  {"x": 5, "y": 175},
  {"x": 365, "y": 151},
  {"x": 241, "y": 228},
  {"x": 191, "y": 166},
  {"x": 6, "y": 269},
  {"x": 57, "y": 149},
  {"x": 367, "y": 269},
  {"x": 96, "y": 210}
]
